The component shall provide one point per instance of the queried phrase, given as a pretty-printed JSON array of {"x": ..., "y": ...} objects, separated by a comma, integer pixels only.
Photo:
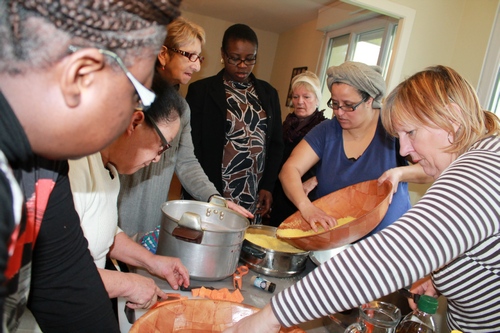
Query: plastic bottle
[
  {"x": 420, "y": 320},
  {"x": 260, "y": 283}
]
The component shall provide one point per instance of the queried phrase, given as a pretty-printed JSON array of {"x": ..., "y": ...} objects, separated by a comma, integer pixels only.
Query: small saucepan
[{"x": 268, "y": 261}]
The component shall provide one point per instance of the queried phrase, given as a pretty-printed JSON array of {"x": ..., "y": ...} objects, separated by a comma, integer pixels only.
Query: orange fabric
[
  {"x": 218, "y": 294},
  {"x": 35, "y": 208}
]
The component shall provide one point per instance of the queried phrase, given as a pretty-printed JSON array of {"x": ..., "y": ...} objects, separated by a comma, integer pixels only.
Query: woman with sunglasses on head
[
  {"x": 236, "y": 121},
  {"x": 95, "y": 184},
  {"x": 148, "y": 188},
  {"x": 350, "y": 148},
  {"x": 86, "y": 65}
]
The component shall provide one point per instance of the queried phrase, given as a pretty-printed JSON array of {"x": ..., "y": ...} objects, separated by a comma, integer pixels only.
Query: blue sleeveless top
[{"x": 335, "y": 171}]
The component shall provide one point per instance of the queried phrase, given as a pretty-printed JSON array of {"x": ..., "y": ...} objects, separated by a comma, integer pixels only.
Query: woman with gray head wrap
[
  {"x": 352, "y": 147},
  {"x": 364, "y": 78}
]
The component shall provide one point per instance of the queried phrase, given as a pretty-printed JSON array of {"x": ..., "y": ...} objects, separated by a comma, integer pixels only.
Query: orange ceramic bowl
[
  {"x": 367, "y": 202},
  {"x": 195, "y": 315}
]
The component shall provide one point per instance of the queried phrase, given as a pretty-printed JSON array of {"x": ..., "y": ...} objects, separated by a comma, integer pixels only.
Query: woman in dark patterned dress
[{"x": 236, "y": 125}]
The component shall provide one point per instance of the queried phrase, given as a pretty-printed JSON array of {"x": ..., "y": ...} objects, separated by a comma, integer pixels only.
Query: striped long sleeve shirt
[{"x": 451, "y": 233}]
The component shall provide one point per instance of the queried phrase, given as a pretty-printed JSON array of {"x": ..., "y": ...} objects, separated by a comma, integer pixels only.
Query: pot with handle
[
  {"x": 269, "y": 261},
  {"x": 207, "y": 237}
]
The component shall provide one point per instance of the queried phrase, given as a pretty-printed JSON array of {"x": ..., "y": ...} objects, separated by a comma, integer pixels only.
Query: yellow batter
[
  {"x": 295, "y": 233},
  {"x": 270, "y": 242}
]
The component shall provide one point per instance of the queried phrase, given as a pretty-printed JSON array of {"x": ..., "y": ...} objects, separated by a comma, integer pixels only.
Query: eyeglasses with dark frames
[
  {"x": 237, "y": 61},
  {"x": 165, "y": 145},
  {"x": 191, "y": 56},
  {"x": 346, "y": 108},
  {"x": 146, "y": 96}
]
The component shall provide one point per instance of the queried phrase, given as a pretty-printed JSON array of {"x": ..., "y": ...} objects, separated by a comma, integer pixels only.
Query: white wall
[
  {"x": 214, "y": 29},
  {"x": 448, "y": 32}
]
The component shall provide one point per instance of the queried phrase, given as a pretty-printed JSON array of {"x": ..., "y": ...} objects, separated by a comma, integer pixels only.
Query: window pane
[
  {"x": 369, "y": 42},
  {"x": 495, "y": 97},
  {"x": 367, "y": 48},
  {"x": 338, "y": 46},
  {"x": 337, "y": 56}
]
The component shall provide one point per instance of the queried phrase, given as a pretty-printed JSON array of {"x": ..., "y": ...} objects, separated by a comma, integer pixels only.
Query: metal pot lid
[{"x": 198, "y": 215}]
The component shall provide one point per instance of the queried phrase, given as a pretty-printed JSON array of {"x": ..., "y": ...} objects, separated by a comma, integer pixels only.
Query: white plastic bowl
[{"x": 319, "y": 257}]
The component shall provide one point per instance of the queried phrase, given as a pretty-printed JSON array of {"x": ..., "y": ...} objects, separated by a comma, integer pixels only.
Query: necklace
[{"x": 238, "y": 85}]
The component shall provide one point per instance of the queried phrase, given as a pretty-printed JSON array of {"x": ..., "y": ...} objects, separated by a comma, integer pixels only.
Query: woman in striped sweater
[{"x": 448, "y": 242}]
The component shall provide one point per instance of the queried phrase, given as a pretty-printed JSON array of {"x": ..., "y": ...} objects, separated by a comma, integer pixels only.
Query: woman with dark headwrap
[
  {"x": 351, "y": 148},
  {"x": 71, "y": 75}
]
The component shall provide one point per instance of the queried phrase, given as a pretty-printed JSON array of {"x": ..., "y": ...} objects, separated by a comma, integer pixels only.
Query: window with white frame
[
  {"x": 494, "y": 103},
  {"x": 488, "y": 89},
  {"x": 369, "y": 42}
]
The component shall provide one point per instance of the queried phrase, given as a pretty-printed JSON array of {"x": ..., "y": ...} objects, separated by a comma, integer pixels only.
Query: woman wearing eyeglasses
[
  {"x": 67, "y": 54},
  {"x": 95, "y": 185},
  {"x": 236, "y": 121},
  {"x": 350, "y": 148},
  {"x": 148, "y": 188}
]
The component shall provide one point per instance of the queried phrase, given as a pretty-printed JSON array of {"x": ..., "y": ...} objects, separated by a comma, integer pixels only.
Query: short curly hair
[{"x": 239, "y": 32}]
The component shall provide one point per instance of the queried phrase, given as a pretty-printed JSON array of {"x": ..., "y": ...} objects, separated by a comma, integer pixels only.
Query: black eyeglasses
[
  {"x": 237, "y": 61},
  {"x": 146, "y": 96},
  {"x": 191, "y": 56},
  {"x": 165, "y": 145},
  {"x": 345, "y": 108}
]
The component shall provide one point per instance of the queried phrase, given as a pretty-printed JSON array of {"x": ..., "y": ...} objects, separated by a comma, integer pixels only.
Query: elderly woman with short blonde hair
[{"x": 305, "y": 115}]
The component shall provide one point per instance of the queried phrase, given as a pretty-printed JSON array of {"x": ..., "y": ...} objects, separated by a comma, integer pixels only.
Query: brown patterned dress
[{"x": 244, "y": 152}]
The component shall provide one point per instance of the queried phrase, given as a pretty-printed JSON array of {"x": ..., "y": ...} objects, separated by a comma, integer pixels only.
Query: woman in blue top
[{"x": 351, "y": 148}]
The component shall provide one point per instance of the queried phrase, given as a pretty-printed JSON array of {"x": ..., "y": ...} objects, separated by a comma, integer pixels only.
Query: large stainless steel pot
[
  {"x": 207, "y": 237},
  {"x": 268, "y": 261}
]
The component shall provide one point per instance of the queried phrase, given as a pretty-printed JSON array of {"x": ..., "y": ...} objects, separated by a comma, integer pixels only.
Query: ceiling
[{"x": 268, "y": 15}]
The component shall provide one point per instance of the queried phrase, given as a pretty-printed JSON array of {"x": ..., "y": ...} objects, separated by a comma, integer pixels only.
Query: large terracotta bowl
[
  {"x": 195, "y": 315},
  {"x": 366, "y": 201}
]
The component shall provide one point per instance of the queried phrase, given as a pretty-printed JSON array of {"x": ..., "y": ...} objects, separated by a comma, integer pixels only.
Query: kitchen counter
[{"x": 253, "y": 296}]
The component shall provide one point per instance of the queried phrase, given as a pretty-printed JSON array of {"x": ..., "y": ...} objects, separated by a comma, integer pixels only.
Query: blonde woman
[
  {"x": 306, "y": 96},
  {"x": 148, "y": 189},
  {"x": 451, "y": 235}
]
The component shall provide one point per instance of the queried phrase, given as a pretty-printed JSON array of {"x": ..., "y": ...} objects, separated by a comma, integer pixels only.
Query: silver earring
[{"x": 449, "y": 138}]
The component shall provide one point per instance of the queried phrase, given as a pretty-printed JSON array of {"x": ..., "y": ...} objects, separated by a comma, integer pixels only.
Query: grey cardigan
[{"x": 143, "y": 193}]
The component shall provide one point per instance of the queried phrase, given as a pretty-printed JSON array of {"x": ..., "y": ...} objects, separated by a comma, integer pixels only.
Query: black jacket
[
  {"x": 66, "y": 293},
  {"x": 207, "y": 100}
]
